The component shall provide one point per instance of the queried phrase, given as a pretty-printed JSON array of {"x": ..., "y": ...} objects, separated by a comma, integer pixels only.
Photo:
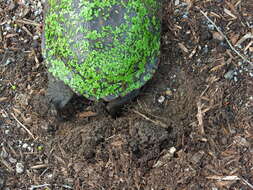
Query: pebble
[
  {"x": 36, "y": 37},
  {"x": 25, "y": 145},
  {"x": 161, "y": 99},
  {"x": 30, "y": 149},
  {"x": 49, "y": 176},
  {"x": 3, "y": 153},
  {"x": 172, "y": 150},
  {"x": 210, "y": 26},
  {"x": 229, "y": 75},
  {"x": 20, "y": 168},
  {"x": 7, "y": 131},
  {"x": 12, "y": 160}
]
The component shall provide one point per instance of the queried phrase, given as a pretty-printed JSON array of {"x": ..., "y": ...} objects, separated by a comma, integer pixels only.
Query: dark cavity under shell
[{"x": 102, "y": 49}]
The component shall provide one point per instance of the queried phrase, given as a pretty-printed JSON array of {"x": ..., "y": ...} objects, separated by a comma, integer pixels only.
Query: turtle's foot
[
  {"x": 114, "y": 107},
  {"x": 58, "y": 93}
]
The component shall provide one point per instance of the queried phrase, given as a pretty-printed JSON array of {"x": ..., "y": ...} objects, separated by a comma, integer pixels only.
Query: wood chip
[
  {"x": 26, "y": 21},
  {"x": 17, "y": 111},
  {"x": 228, "y": 12},
  {"x": 10, "y": 35},
  {"x": 215, "y": 15},
  {"x": 245, "y": 37},
  {"x": 3, "y": 99},
  {"x": 226, "y": 178},
  {"x": 218, "y": 36},
  {"x": 183, "y": 48},
  {"x": 234, "y": 38},
  {"x": 249, "y": 45},
  {"x": 87, "y": 114},
  {"x": 193, "y": 52},
  {"x": 39, "y": 166}
]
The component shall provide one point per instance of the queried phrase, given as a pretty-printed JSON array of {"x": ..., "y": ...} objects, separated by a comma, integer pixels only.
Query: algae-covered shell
[{"x": 102, "y": 49}]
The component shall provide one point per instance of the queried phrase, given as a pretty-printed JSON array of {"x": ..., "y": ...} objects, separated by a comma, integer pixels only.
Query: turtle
[{"x": 100, "y": 49}]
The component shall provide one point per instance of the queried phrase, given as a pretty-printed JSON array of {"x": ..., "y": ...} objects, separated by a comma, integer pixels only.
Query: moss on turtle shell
[{"x": 106, "y": 61}]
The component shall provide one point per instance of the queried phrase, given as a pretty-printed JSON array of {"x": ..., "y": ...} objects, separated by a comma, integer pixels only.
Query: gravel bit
[
  {"x": 229, "y": 75},
  {"x": 19, "y": 168}
]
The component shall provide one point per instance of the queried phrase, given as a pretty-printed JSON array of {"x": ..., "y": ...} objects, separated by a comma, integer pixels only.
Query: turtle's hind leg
[{"x": 58, "y": 93}]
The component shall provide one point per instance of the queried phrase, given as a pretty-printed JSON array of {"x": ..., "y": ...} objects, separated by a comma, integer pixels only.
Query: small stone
[
  {"x": 20, "y": 168},
  {"x": 229, "y": 75},
  {"x": 7, "y": 131},
  {"x": 210, "y": 26},
  {"x": 3, "y": 153},
  {"x": 161, "y": 99},
  {"x": 36, "y": 37},
  {"x": 12, "y": 160},
  {"x": 30, "y": 149},
  {"x": 7, "y": 27},
  {"x": 25, "y": 145},
  {"x": 49, "y": 176},
  {"x": 172, "y": 150}
]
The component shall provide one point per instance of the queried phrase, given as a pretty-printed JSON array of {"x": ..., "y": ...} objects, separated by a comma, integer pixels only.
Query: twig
[
  {"x": 225, "y": 37},
  {"x": 39, "y": 166},
  {"x": 29, "y": 22},
  {"x": 247, "y": 183},
  {"x": 23, "y": 126},
  {"x": 66, "y": 186},
  {"x": 38, "y": 186},
  {"x": 153, "y": 121},
  {"x": 200, "y": 118},
  {"x": 6, "y": 165},
  {"x": 230, "y": 178},
  {"x": 27, "y": 31}
]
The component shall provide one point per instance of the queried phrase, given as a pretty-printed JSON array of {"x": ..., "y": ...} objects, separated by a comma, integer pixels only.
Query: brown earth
[{"x": 190, "y": 128}]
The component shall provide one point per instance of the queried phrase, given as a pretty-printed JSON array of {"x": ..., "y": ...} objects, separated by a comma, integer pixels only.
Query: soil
[{"x": 190, "y": 128}]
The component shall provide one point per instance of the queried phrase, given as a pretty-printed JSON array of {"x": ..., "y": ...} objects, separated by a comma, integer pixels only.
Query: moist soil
[{"x": 190, "y": 127}]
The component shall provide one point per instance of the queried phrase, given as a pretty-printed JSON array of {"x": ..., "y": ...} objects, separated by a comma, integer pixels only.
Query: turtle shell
[{"x": 102, "y": 49}]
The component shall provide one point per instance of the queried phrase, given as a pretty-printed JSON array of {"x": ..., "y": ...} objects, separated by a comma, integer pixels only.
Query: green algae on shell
[{"x": 102, "y": 48}]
